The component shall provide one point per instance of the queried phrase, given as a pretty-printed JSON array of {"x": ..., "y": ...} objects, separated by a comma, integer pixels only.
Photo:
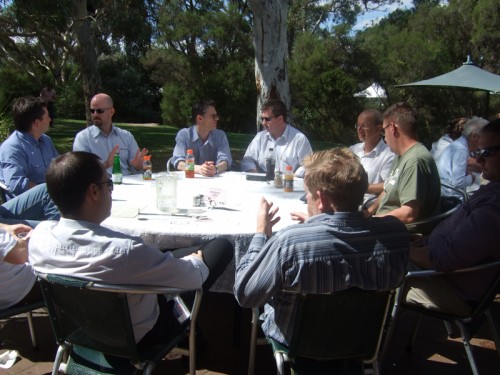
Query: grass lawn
[{"x": 158, "y": 139}]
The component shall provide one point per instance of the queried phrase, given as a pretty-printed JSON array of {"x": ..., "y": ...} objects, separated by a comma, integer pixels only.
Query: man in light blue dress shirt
[
  {"x": 209, "y": 144},
  {"x": 27, "y": 153},
  {"x": 289, "y": 145},
  {"x": 105, "y": 140}
]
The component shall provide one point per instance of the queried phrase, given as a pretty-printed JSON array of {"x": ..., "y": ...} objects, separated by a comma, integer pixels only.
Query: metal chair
[
  {"x": 93, "y": 328},
  {"x": 28, "y": 308},
  {"x": 336, "y": 331},
  {"x": 449, "y": 204},
  {"x": 466, "y": 324}
]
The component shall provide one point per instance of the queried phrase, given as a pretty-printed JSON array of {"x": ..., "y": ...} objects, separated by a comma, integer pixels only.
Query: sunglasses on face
[
  {"x": 98, "y": 110},
  {"x": 266, "y": 119},
  {"x": 484, "y": 152}
]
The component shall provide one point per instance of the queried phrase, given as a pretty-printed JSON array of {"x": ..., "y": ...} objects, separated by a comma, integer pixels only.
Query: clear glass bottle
[
  {"x": 116, "y": 174},
  {"x": 278, "y": 179},
  {"x": 189, "y": 169},
  {"x": 288, "y": 179},
  {"x": 147, "y": 168}
]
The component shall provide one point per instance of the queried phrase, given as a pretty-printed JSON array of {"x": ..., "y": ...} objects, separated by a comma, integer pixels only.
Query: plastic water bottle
[
  {"x": 288, "y": 179},
  {"x": 116, "y": 174},
  {"x": 147, "y": 168},
  {"x": 270, "y": 163},
  {"x": 189, "y": 169}
]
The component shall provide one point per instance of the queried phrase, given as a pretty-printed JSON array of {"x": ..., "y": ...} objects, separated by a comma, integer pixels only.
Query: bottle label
[
  {"x": 270, "y": 169},
  {"x": 288, "y": 184},
  {"x": 116, "y": 178},
  {"x": 147, "y": 174}
]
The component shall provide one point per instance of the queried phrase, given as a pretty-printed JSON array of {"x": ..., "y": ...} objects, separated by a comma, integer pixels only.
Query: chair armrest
[{"x": 425, "y": 273}]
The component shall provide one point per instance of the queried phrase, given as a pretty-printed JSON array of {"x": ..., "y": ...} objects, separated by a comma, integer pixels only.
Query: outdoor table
[{"x": 234, "y": 216}]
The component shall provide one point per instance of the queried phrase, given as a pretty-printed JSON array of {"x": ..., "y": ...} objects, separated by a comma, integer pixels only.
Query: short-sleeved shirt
[
  {"x": 93, "y": 140},
  {"x": 290, "y": 149},
  {"x": 452, "y": 166},
  {"x": 24, "y": 159},
  {"x": 413, "y": 177},
  {"x": 215, "y": 148},
  {"x": 16, "y": 280}
]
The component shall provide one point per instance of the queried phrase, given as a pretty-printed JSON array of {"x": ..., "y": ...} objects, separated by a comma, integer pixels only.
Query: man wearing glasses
[
  {"x": 289, "y": 145},
  {"x": 27, "y": 153},
  {"x": 209, "y": 144},
  {"x": 374, "y": 154},
  {"x": 413, "y": 190},
  {"x": 463, "y": 240},
  {"x": 105, "y": 140}
]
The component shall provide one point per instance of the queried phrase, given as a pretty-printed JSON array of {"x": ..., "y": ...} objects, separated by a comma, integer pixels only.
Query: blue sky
[{"x": 373, "y": 17}]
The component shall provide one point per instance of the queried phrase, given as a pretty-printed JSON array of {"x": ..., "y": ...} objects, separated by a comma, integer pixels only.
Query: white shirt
[
  {"x": 16, "y": 280},
  {"x": 452, "y": 166},
  {"x": 289, "y": 149},
  {"x": 377, "y": 163},
  {"x": 440, "y": 145},
  {"x": 90, "y": 251}
]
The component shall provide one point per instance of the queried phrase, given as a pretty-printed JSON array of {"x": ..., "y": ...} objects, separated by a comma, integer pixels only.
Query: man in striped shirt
[{"x": 334, "y": 248}]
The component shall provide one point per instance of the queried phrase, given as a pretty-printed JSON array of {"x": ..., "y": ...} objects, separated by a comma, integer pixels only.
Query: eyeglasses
[
  {"x": 98, "y": 110},
  {"x": 484, "y": 152},
  {"x": 361, "y": 126},
  {"x": 216, "y": 117},
  {"x": 109, "y": 182},
  {"x": 385, "y": 127},
  {"x": 266, "y": 119}
]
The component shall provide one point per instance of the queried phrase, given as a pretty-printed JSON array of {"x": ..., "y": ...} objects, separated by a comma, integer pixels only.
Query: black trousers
[{"x": 217, "y": 254}]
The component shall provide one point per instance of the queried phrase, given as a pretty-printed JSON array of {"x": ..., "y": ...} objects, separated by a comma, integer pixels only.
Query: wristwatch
[{"x": 216, "y": 170}]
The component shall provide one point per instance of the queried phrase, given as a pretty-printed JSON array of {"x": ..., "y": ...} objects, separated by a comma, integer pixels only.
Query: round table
[{"x": 234, "y": 216}]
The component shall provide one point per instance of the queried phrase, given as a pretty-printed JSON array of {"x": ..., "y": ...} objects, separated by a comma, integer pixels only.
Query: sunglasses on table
[
  {"x": 98, "y": 110},
  {"x": 484, "y": 152}
]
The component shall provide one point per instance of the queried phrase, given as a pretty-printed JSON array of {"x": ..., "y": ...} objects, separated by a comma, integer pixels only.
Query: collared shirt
[
  {"x": 440, "y": 145},
  {"x": 452, "y": 167},
  {"x": 215, "y": 148},
  {"x": 290, "y": 149},
  {"x": 413, "y": 177},
  {"x": 23, "y": 159},
  {"x": 327, "y": 253},
  {"x": 377, "y": 163},
  {"x": 468, "y": 238},
  {"x": 16, "y": 280},
  {"x": 90, "y": 251},
  {"x": 93, "y": 140}
]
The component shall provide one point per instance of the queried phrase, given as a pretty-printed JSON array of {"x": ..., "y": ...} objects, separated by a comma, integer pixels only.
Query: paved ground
[{"x": 433, "y": 352}]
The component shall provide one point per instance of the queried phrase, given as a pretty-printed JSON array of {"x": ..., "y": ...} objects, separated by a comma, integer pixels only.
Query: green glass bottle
[{"x": 117, "y": 170}]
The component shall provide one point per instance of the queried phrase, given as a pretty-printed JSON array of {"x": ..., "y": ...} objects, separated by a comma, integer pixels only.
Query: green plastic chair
[
  {"x": 92, "y": 325},
  {"x": 336, "y": 333}
]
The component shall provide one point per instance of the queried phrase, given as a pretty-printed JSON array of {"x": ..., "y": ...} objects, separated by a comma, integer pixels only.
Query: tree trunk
[
  {"x": 86, "y": 55},
  {"x": 270, "y": 43}
]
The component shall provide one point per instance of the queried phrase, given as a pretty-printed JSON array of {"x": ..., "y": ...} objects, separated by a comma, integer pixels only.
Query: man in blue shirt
[
  {"x": 335, "y": 247},
  {"x": 105, "y": 140},
  {"x": 27, "y": 153},
  {"x": 209, "y": 144}
]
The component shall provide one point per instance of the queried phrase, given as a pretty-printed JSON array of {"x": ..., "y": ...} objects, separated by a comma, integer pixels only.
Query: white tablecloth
[{"x": 134, "y": 212}]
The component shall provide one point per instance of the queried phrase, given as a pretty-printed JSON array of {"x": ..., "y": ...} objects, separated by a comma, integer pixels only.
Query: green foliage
[{"x": 6, "y": 126}]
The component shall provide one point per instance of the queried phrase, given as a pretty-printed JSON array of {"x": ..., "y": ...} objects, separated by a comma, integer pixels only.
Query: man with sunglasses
[
  {"x": 413, "y": 190},
  {"x": 209, "y": 144},
  {"x": 289, "y": 145},
  {"x": 27, "y": 153},
  {"x": 467, "y": 238},
  {"x": 105, "y": 140}
]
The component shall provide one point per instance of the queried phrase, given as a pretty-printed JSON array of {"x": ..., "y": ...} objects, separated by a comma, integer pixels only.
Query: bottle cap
[
  {"x": 147, "y": 157},
  {"x": 288, "y": 167},
  {"x": 189, "y": 151}
]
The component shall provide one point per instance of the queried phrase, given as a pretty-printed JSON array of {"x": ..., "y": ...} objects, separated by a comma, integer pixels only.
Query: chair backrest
[
  {"x": 99, "y": 320},
  {"x": 345, "y": 324},
  {"x": 448, "y": 205}
]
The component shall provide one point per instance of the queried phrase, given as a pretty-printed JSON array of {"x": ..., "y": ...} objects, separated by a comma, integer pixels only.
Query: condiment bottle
[
  {"x": 270, "y": 164},
  {"x": 147, "y": 168},
  {"x": 189, "y": 169},
  {"x": 288, "y": 179}
]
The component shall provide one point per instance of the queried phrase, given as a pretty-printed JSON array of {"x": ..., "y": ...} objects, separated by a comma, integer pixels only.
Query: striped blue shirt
[{"x": 327, "y": 253}]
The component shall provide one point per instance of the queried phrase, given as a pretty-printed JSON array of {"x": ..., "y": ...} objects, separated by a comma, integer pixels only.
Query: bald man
[{"x": 105, "y": 140}]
